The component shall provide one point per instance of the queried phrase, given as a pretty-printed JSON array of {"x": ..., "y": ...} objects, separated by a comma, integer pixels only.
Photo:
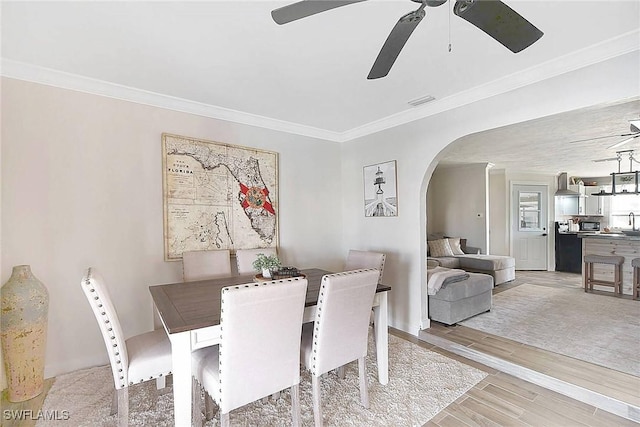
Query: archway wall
[
  {"x": 417, "y": 148},
  {"x": 457, "y": 202}
]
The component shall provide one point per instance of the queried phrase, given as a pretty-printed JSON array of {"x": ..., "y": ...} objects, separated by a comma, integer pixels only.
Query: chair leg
[
  {"x": 340, "y": 372},
  {"x": 364, "y": 389},
  {"x": 161, "y": 382},
  {"x": 114, "y": 403},
  {"x": 296, "y": 416},
  {"x": 317, "y": 408},
  {"x": 619, "y": 278},
  {"x": 224, "y": 420},
  {"x": 123, "y": 407},
  {"x": 196, "y": 403}
]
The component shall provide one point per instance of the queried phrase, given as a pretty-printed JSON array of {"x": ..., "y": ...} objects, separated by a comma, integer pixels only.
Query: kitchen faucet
[{"x": 632, "y": 216}]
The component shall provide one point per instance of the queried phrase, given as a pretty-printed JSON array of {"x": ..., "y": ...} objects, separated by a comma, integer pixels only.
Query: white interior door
[{"x": 529, "y": 226}]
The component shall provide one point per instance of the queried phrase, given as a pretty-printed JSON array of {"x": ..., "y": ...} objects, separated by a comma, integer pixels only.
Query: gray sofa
[
  {"x": 501, "y": 268},
  {"x": 457, "y": 301}
]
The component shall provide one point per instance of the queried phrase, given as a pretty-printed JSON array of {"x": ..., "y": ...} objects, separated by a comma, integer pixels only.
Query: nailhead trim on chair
[
  {"x": 114, "y": 346},
  {"x": 231, "y": 289},
  {"x": 319, "y": 311},
  {"x": 106, "y": 321}
]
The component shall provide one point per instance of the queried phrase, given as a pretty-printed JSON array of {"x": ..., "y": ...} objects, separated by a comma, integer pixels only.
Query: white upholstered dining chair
[
  {"x": 365, "y": 259},
  {"x": 339, "y": 333},
  {"x": 201, "y": 265},
  {"x": 245, "y": 258},
  {"x": 259, "y": 350},
  {"x": 137, "y": 359}
]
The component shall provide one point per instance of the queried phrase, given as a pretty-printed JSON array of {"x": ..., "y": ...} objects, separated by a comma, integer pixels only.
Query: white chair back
[
  {"x": 245, "y": 258},
  {"x": 201, "y": 265},
  {"x": 105, "y": 313},
  {"x": 341, "y": 326},
  {"x": 366, "y": 259},
  {"x": 260, "y": 340}
]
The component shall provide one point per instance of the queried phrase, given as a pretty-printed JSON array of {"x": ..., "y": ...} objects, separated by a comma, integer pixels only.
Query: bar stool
[
  {"x": 635, "y": 263},
  {"x": 614, "y": 260}
]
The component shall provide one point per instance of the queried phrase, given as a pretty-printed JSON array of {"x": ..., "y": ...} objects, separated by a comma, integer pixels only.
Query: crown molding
[
  {"x": 50, "y": 77},
  {"x": 608, "y": 49}
]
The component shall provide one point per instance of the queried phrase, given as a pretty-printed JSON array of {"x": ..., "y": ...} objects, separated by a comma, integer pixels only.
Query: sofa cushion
[
  {"x": 486, "y": 262},
  {"x": 439, "y": 248},
  {"x": 477, "y": 283},
  {"x": 456, "y": 248},
  {"x": 449, "y": 261}
]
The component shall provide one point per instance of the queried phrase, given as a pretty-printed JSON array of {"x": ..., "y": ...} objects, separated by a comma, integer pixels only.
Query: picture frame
[
  {"x": 381, "y": 190},
  {"x": 217, "y": 196}
]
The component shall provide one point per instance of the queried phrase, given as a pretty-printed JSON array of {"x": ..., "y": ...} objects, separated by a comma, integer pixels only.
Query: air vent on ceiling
[{"x": 422, "y": 100}]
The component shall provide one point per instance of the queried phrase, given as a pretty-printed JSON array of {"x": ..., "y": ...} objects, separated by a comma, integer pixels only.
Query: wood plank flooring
[{"x": 502, "y": 399}]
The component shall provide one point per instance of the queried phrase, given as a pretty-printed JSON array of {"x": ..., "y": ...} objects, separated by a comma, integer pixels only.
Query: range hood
[{"x": 563, "y": 186}]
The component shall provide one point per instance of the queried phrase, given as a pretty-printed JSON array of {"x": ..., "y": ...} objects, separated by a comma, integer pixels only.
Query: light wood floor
[{"x": 504, "y": 400}]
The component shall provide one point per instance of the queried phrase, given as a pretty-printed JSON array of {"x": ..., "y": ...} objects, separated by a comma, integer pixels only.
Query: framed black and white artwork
[{"x": 380, "y": 189}]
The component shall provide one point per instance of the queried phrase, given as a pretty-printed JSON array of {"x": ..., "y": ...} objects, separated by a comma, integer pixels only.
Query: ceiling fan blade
[
  {"x": 595, "y": 138},
  {"x": 500, "y": 22},
  {"x": 302, "y": 9},
  {"x": 605, "y": 160},
  {"x": 395, "y": 42},
  {"x": 624, "y": 141}
]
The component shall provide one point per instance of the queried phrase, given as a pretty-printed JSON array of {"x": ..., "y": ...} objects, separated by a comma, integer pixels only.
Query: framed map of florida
[{"x": 217, "y": 196}]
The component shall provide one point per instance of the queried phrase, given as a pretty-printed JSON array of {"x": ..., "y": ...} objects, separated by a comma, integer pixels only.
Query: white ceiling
[
  {"x": 558, "y": 143},
  {"x": 228, "y": 59}
]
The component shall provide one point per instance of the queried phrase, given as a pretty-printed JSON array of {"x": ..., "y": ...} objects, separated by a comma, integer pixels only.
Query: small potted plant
[{"x": 266, "y": 264}]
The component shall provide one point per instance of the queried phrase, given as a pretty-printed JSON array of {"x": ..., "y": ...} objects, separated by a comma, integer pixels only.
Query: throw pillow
[
  {"x": 439, "y": 248},
  {"x": 454, "y": 242}
]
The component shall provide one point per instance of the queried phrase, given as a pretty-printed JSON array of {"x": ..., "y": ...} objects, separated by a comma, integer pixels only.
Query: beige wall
[
  {"x": 457, "y": 201},
  {"x": 417, "y": 146},
  {"x": 498, "y": 213},
  {"x": 82, "y": 186}
]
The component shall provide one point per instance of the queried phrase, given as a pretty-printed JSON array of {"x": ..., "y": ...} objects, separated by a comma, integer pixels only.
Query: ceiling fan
[
  {"x": 634, "y": 127},
  {"x": 491, "y": 16}
]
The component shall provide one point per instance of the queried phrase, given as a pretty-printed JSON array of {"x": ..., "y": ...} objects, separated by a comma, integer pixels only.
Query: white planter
[{"x": 266, "y": 273}]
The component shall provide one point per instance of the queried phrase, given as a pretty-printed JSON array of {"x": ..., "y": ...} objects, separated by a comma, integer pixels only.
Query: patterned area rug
[
  {"x": 595, "y": 328},
  {"x": 421, "y": 384}
]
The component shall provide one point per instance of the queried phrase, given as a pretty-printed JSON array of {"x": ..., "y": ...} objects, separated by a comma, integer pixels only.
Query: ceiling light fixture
[
  {"x": 623, "y": 177},
  {"x": 422, "y": 100}
]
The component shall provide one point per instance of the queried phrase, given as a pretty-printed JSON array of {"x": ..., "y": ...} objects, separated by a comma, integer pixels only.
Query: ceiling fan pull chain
[{"x": 449, "y": 27}]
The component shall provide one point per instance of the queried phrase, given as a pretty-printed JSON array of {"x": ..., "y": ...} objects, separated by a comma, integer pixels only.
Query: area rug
[
  {"x": 421, "y": 384},
  {"x": 599, "y": 329}
]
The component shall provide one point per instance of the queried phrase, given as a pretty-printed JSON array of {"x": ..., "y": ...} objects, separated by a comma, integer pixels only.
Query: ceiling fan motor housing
[{"x": 432, "y": 3}]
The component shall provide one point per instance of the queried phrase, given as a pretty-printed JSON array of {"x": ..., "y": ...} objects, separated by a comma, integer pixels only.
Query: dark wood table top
[{"x": 185, "y": 306}]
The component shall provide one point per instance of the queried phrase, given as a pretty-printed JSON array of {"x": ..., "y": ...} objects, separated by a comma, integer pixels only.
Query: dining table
[{"x": 190, "y": 314}]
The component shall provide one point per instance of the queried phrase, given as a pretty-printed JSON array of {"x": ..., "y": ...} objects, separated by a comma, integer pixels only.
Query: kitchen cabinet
[
  {"x": 596, "y": 205},
  {"x": 593, "y": 204},
  {"x": 566, "y": 206},
  {"x": 581, "y": 208}
]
